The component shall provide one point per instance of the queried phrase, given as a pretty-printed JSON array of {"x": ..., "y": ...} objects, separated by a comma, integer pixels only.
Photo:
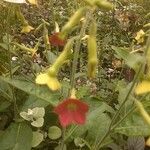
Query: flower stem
[
  {"x": 77, "y": 48},
  {"x": 10, "y": 63}
]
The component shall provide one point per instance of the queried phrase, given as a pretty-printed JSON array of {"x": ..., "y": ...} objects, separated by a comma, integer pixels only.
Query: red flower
[
  {"x": 56, "y": 40},
  {"x": 71, "y": 111}
]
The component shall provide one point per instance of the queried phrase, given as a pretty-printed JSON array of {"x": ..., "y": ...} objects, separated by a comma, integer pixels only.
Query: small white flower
[{"x": 34, "y": 115}]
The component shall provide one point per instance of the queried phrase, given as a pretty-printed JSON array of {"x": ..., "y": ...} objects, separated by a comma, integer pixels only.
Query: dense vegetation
[{"x": 74, "y": 74}]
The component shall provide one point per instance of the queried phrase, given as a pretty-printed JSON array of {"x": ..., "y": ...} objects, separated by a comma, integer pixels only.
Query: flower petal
[
  {"x": 53, "y": 83},
  {"x": 26, "y": 29},
  {"x": 143, "y": 87},
  {"x": 34, "y": 2},
  {"x": 42, "y": 78},
  {"x": 71, "y": 111},
  {"x": 55, "y": 40},
  {"x": 79, "y": 117},
  {"x": 65, "y": 119}
]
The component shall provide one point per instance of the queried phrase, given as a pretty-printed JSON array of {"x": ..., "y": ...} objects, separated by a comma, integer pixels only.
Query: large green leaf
[
  {"x": 33, "y": 102},
  {"x": 121, "y": 52},
  {"x": 18, "y": 136},
  {"x": 136, "y": 143},
  {"x": 4, "y": 105},
  {"x": 41, "y": 92},
  {"x": 133, "y": 125},
  {"x": 131, "y": 59},
  {"x": 5, "y": 91}
]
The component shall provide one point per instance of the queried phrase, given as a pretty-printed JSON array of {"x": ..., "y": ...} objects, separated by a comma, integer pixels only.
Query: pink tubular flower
[
  {"x": 71, "y": 111},
  {"x": 56, "y": 40}
]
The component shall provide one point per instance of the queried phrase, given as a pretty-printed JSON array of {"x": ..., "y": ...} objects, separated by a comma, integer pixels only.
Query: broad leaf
[
  {"x": 51, "y": 57},
  {"x": 133, "y": 125},
  {"x": 5, "y": 91},
  {"x": 4, "y": 105},
  {"x": 40, "y": 92},
  {"x": 136, "y": 143},
  {"x": 18, "y": 136},
  {"x": 33, "y": 102},
  {"x": 131, "y": 59}
]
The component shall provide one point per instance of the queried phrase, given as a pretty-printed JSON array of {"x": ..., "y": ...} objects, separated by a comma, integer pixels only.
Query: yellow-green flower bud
[
  {"x": 62, "y": 58},
  {"x": 26, "y": 28},
  {"x": 90, "y": 2},
  {"x": 103, "y": 4},
  {"x": 92, "y": 56},
  {"x": 92, "y": 50},
  {"x": 74, "y": 20}
]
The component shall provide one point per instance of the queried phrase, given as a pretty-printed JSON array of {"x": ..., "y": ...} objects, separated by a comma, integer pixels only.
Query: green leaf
[
  {"x": 122, "y": 53},
  {"x": 134, "y": 61},
  {"x": 37, "y": 138},
  {"x": 4, "y": 105},
  {"x": 41, "y": 92},
  {"x": 18, "y": 136},
  {"x": 5, "y": 91},
  {"x": 4, "y": 46},
  {"x": 133, "y": 125},
  {"x": 136, "y": 143},
  {"x": 51, "y": 57},
  {"x": 33, "y": 102},
  {"x": 122, "y": 95},
  {"x": 54, "y": 132},
  {"x": 131, "y": 59}
]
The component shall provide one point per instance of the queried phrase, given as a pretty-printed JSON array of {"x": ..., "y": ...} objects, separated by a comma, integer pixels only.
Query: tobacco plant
[{"x": 59, "y": 91}]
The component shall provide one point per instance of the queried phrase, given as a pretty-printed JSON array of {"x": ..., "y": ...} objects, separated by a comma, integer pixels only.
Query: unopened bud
[
  {"x": 92, "y": 50},
  {"x": 92, "y": 56},
  {"x": 74, "y": 20},
  {"x": 103, "y": 4},
  {"x": 90, "y": 2},
  {"x": 63, "y": 56}
]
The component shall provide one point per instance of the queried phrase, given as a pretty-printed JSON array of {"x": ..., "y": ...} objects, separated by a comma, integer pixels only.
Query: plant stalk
[{"x": 77, "y": 48}]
